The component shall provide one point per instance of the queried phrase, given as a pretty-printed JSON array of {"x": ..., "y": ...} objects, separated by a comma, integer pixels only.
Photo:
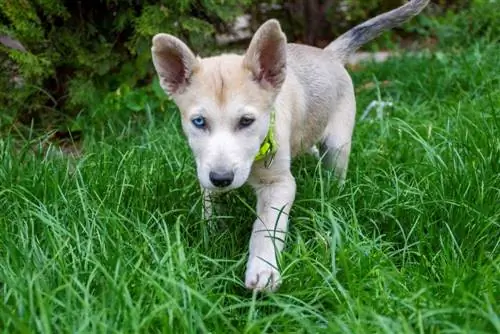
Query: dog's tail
[{"x": 349, "y": 42}]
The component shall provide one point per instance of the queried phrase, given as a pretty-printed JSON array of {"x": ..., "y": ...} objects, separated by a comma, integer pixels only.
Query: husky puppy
[{"x": 246, "y": 116}]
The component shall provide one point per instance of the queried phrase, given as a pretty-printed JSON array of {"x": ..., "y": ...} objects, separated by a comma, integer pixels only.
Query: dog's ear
[
  {"x": 266, "y": 55},
  {"x": 174, "y": 62}
]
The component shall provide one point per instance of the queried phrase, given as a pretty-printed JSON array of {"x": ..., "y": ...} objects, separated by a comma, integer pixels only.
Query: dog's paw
[
  {"x": 262, "y": 275},
  {"x": 314, "y": 151}
]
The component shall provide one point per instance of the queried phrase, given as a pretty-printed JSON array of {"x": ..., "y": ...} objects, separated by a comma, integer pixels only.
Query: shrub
[
  {"x": 317, "y": 22},
  {"x": 74, "y": 52},
  {"x": 62, "y": 58}
]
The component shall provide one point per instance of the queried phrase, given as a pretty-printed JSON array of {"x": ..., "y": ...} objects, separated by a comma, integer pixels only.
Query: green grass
[{"x": 411, "y": 245}]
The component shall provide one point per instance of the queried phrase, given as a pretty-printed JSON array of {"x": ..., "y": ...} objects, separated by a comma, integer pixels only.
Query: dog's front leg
[
  {"x": 211, "y": 203},
  {"x": 275, "y": 197},
  {"x": 207, "y": 205}
]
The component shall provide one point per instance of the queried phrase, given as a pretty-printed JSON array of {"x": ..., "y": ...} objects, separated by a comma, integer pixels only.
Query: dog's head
[{"x": 225, "y": 101}]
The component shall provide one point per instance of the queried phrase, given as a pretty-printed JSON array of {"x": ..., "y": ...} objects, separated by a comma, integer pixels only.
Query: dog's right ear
[{"x": 174, "y": 62}]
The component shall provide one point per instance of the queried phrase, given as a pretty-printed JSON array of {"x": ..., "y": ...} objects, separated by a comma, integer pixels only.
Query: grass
[{"x": 411, "y": 245}]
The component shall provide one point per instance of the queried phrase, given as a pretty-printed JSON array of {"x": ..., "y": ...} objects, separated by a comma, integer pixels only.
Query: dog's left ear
[{"x": 266, "y": 55}]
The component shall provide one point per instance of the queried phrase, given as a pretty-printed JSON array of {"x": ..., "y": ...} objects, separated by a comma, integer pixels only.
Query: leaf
[
  {"x": 136, "y": 101},
  {"x": 157, "y": 90}
]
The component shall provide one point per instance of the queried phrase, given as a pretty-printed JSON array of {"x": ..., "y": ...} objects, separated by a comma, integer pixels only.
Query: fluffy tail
[{"x": 353, "y": 39}]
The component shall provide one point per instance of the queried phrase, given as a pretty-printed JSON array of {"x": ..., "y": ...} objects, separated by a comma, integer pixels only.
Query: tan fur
[{"x": 313, "y": 98}]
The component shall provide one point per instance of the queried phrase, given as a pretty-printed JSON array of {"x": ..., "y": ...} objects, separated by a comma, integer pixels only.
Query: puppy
[{"x": 246, "y": 116}]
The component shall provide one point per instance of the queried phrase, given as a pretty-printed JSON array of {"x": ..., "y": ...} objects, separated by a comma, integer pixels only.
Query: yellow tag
[{"x": 269, "y": 146}]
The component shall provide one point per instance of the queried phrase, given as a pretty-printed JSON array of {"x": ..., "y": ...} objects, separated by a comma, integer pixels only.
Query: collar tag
[{"x": 269, "y": 146}]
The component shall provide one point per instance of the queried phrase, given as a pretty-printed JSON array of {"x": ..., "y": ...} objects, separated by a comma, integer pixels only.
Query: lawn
[{"x": 114, "y": 241}]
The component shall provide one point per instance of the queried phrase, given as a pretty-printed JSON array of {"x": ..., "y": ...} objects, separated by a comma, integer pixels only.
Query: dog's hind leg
[{"x": 336, "y": 143}]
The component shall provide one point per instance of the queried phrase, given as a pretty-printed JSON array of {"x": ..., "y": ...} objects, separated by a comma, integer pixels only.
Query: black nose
[{"x": 221, "y": 180}]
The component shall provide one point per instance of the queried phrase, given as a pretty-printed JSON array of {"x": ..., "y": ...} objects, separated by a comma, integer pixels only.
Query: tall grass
[{"x": 115, "y": 242}]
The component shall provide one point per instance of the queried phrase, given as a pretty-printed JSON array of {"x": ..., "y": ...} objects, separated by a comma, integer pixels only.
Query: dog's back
[{"x": 320, "y": 77}]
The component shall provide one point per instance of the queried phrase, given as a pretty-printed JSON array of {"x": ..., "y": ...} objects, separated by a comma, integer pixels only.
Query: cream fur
[{"x": 312, "y": 95}]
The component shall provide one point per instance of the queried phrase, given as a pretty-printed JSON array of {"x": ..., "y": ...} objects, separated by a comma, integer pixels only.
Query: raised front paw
[{"x": 262, "y": 275}]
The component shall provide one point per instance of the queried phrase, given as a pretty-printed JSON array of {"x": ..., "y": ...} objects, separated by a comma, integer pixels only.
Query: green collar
[{"x": 269, "y": 146}]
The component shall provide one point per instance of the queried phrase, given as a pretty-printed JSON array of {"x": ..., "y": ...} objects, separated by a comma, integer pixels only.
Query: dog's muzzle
[{"x": 221, "y": 180}]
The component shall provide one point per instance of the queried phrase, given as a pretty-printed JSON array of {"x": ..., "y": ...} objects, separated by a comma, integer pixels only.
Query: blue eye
[{"x": 199, "y": 122}]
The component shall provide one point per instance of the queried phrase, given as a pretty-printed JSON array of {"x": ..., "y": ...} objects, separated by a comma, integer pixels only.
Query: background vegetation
[
  {"x": 69, "y": 58},
  {"x": 112, "y": 240}
]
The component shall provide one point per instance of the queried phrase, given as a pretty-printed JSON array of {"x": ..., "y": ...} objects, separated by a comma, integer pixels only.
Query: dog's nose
[{"x": 221, "y": 180}]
